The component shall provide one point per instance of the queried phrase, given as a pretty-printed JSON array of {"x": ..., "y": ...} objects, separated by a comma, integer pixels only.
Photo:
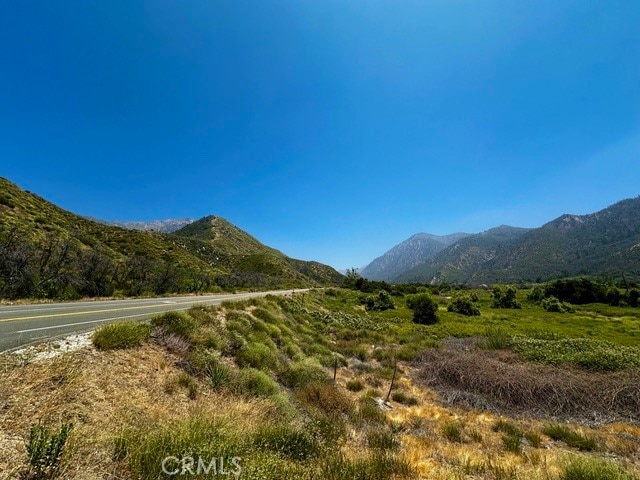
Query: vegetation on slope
[
  {"x": 255, "y": 380},
  {"x": 47, "y": 252}
]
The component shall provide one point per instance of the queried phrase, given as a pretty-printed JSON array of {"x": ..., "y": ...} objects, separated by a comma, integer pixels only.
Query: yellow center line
[{"x": 94, "y": 311}]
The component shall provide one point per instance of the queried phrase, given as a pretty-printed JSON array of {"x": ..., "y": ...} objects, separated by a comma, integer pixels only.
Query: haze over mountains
[
  {"x": 167, "y": 226},
  {"x": 602, "y": 243},
  {"x": 49, "y": 252}
]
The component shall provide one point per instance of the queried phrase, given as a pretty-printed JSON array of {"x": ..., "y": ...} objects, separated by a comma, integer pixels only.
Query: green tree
[
  {"x": 425, "y": 309},
  {"x": 504, "y": 297}
]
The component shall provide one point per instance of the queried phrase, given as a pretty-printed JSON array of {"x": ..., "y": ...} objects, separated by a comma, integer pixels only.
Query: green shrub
[
  {"x": 45, "y": 449},
  {"x": 425, "y": 309},
  {"x": 506, "y": 427},
  {"x": 452, "y": 432},
  {"x": 255, "y": 382},
  {"x": 125, "y": 334},
  {"x": 219, "y": 376},
  {"x": 534, "y": 439},
  {"x": 504, "y": 297},
  {"x": 464, "y": 306},
  {"x": 552, "y": 304},
  {"x": 587, "y": 468},
  {"x": 633, "y": 297},
  {"x": 176, "y": 323},
  {"x": 403, "y": 398},
  {"x": 302, "y": 373},
  {"x": 512, "y": 443},
  {"x": 256, "y": 355},
  {"x": 380, "y": 302},
  {"x": 536, "y": 295},
  {"x": 354, "y": 385},
  {"x": 570, "y": 437}
]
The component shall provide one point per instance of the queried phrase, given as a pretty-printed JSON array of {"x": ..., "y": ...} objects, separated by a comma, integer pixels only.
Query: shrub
[
  {"x": 219, "y": 376},
  {"x": 176, "y": 323},
  {"x": 570, "y": 437},
  {"x": 425, "y": 309},
  {"x": 256, "y": 355},
  {"x": 633, "y": 297},
  {"x": 464, "y": 306},
  {"x": 506, "y": 427},
  {"x": 125, "y": 334},
  {"x": 452, "y": 432},
  {"x": 380, "y": 302},
  {"x": 512, "y": 443},
  {"x": 552, "y": 304},
  {"x": 45, "y": 449},
  {"x": 326, "y": 398},
  {"x": 504, "y": 297},
  {"x": 577, "y": 291},
  {"x": 255, "y": 382},
  {"x": 403, "y": 398},
  {"x": 303, "y": 373},
  {"x": 536, "y": 295},
  {"x": 354, "y": 385}
]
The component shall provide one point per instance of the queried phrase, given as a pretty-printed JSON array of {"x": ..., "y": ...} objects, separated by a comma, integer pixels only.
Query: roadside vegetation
[{"x": 344, "y": 383}]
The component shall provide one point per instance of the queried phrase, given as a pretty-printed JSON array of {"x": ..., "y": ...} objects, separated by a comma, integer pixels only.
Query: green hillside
[
  {"x": 48, "y": 252},
  {"x": 605, "y": 243}
]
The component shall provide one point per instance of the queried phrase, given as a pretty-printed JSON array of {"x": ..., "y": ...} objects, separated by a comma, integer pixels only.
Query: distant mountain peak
[{"x": 166, "y": 226}]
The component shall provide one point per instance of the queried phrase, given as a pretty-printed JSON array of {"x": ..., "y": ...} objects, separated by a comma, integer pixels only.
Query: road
[{"x": 25, "y": 324}]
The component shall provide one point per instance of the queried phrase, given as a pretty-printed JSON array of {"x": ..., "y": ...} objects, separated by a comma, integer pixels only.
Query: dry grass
[
  {"x": 499, "y": 380},
  {"x": 102, "y": 393}
]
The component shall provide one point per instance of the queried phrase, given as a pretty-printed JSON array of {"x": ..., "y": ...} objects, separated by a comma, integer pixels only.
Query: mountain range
[
  {"x": 46, "y": 251},
  {"x": 605, "y": 243},
  {"x": 167, "y": 226}
]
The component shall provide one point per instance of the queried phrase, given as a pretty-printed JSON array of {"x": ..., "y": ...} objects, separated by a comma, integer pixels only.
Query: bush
[
  {"x": 536, "y": 295},
  {"x": 504, "y": 297},
  {"x": 326, "y": 398},
  {"x": 633, "y": 297},
  {"x": 176, "y": 323},
  {"x": 552, "y": 304},
  {"x": 45, "y": 450},
  {"x": 303, "y": 373},
  {"x": 425, "y": 309},
  {"x": 256, "y": 355},
  {"x": 464, "y": 306},
  {"x": 577, "y": 291},
  {"x": 354, "y": 385},
  {"x": 380, "y": 302},
  {"x": 125, "y": 334},
  {"x": 404, "y": 399},
  {"x": 255, "y": 382}
]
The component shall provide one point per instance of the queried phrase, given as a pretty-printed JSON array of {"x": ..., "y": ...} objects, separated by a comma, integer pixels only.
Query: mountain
[
  {"x": 166, "y": 226},
  {"x": 46, "y": 251},
  {"x": 463, "y": 260},
  {"x": 408, "y": 254},
  {"x": 224, "y": 245},
  {"x": 605, "y": 243}
]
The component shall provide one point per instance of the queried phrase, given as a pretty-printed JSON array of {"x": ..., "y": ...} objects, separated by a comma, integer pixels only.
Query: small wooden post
[
  {"x": 335, "y": 369},
  {"x": 393, "y": 378}
]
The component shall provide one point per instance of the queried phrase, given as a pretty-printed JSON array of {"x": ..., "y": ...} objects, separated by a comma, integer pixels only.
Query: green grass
[
  {"x": 586, "y": 468},
  {"x": 126, "y": 334},
  {"x": 570, "y": 437}
]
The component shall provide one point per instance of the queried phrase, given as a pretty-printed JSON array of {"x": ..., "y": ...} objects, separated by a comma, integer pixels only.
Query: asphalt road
[{"x": 25, "y": 324}]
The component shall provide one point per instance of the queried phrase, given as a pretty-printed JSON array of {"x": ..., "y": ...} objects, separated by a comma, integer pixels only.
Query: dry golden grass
[{"x": 102, "y": 393}]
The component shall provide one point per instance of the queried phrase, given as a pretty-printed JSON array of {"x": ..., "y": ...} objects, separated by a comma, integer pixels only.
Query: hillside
[
  {"x": 467, "y": 258},
  {"x": 408, "y": 254},
  {"x": 605, "y": 243},
  {"x": 48, "y": 252}
]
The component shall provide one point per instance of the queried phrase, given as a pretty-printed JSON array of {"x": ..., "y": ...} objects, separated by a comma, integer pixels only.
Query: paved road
[{"x": 23, "y": 324}]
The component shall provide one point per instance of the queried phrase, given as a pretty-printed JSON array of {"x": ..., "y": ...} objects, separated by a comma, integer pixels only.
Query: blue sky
[{"x": 331, "y": 130}]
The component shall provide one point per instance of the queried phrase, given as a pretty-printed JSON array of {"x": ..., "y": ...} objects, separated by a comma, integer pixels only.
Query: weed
[{"x": 45, "y": 449}]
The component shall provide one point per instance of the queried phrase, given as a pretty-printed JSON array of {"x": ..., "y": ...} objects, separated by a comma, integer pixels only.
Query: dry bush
[{"x": 498, "y": 380}]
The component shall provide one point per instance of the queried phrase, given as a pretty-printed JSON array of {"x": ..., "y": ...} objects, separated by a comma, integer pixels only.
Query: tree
[
  {"x": 425, "y": 309},
  {"x": 504, "y": 297},
  {"x": 464, "y": 306}
]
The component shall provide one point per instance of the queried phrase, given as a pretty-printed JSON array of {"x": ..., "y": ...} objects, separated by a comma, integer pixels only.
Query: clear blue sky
[{"x": 331, "y": 130}]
